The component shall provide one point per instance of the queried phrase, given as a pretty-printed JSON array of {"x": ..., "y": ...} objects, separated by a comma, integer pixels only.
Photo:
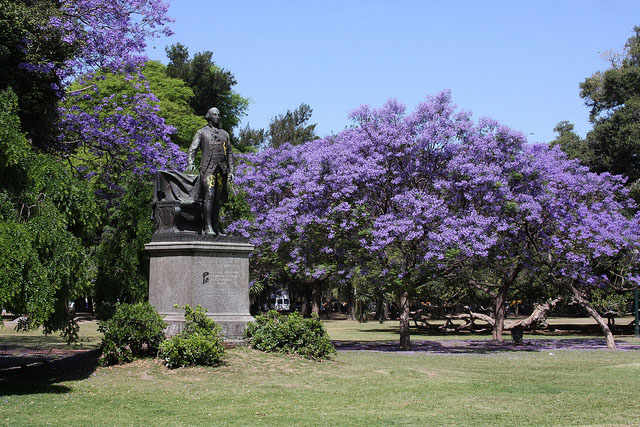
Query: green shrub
[
  {"x": 274, "y": 332},
  {"x": 135, "y": 330},
  {"x": 200, "y": 343},
  {"x": 105, "y": 310}
]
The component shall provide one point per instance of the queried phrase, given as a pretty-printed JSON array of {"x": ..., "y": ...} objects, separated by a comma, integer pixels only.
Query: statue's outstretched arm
[{"x": 191, "y": 154}]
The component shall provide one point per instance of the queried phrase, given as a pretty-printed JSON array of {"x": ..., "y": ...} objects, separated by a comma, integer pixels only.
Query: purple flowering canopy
[
  {"x": 431, "y": 192},
  {"x": 108, "y": 36}
]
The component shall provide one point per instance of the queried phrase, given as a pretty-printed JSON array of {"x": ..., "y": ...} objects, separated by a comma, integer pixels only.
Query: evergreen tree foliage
[
  {"x": 24, "y": 23},
  {"x": 212, "y": 86},
  {"x": 249, "y": 140},
  {"x": 46, "y": 216},
  {"x": 292, "y": 127},
  {"x": 614, "y": 99},
  {"x": 570, "y": 142}
]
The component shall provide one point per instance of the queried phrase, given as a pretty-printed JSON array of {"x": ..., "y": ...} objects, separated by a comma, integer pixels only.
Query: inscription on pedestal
[
  {"x": 217, "y": 285},
  {"x": 210, "y": 274}
]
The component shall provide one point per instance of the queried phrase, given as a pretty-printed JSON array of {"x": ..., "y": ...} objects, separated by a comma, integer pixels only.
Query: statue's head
[{"x": 213, "y": 115}]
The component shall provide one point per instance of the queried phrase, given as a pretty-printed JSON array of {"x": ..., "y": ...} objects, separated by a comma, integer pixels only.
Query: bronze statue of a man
[{"x": 216, "y": 168}]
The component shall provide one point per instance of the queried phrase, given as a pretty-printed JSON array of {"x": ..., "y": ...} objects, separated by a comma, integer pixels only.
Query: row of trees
[
  {"x": 303, "y": 242},
  {"x": 428, "y": 204},
  {"x": 404, "y": 200},
  {"x": 417, "y": 205}
]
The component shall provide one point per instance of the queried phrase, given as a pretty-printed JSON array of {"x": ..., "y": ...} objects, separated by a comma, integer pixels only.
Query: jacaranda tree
[{"x": 432, "y": 194}]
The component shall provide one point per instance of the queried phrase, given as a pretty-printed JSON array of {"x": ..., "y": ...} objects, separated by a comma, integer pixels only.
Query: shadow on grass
[
  {"x": 37, "y": 342},
  {"x": 556, "y": 329},
  {"x": 34, "y": 374},
  {"x": 483, "y": 346}
]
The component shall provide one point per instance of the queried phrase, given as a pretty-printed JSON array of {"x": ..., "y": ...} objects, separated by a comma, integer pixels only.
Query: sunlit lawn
[
  {"x": 355, "y": 388},
  {"x": 89, "y": 338},
  {"x": 597, "y": 387}
]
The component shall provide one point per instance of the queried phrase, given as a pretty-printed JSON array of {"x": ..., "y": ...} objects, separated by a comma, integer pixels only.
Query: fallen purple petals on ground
[{"x": 483, "y": 346}]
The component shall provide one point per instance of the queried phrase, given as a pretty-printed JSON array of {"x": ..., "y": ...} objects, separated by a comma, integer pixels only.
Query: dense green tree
[
  {"x": 173, "y": 98},
  {"x": 250, "y": 139},
  {"x": 46, "y": 217},
  {"x": 22, "y": 22},
  {"x": 292, "y": 127},
  {"x": 122, "y": 264},
  {"x": 212, "y": 86},
  {"x": 614, "y": 99},
  {"x": 570, "y": 142}
]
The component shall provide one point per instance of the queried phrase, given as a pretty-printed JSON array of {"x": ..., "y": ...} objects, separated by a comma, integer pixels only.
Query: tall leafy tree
[
  {"x": 212, "y": 86},
  {"x": 570, "y": 142},
  {"x": 47, "y": 217},
  {"x": 250, "y": 139},
  {"x": 614, "y": 99},
  {"x": 292, "y": 127}
]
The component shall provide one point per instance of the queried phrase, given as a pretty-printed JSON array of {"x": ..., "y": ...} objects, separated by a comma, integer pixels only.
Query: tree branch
[{"x": 538, "y": 316}]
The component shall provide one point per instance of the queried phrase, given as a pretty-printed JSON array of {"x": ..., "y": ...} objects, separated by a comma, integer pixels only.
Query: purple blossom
[
  {"x": 109, "y": 36},
  {"x": 437, "y": 188}
]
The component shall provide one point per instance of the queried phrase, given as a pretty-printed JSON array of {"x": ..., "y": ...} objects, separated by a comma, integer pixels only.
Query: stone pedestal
[{"x": 213, "y": 274}]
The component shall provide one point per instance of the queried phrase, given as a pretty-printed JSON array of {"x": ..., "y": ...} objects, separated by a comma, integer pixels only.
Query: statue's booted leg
[
  {"x": 215, "y": 219},
  {"x": 208, "y": 213}
]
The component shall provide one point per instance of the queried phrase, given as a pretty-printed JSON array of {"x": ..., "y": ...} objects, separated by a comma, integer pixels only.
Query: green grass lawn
[
  {"x": 355, "y": 388},
  {"x": 598, "y": 387},
  {"x": 89, "y": 338}
]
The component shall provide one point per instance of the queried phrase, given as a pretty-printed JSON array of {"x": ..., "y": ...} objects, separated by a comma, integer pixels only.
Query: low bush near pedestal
[
  {"x": 274, "y": 332},
  {"x": 200, "y": 343},
  {"x": 135, "y": 330}
]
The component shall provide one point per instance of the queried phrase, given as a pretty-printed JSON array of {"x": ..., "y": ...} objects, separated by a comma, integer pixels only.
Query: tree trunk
[
  {"x": 351, "y": 304},
  {"x": 490, "y": 320},
  {"x": 328, "y": 313},
  {"x": 380, "y": 317},
  {"x": 315, "y": 298},
  {"x": 304, "y": 310},
  {"x": 580, "y": 299},
  {"x": 498, "y": 312},
  {"x": 405, "y": 334},
  {"x": 539, "y": 315}
]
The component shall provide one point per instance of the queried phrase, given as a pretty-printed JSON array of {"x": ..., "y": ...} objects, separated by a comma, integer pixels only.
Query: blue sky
[{"x": 519, "y": 62}]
